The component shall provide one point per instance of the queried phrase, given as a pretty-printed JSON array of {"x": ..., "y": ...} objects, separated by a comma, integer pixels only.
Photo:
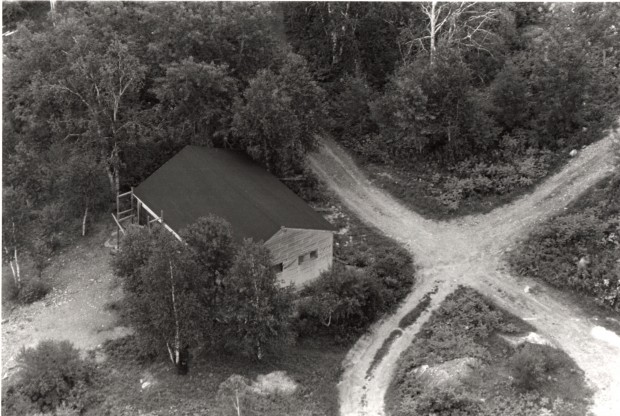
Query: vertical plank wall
[{"x": 289, "y": 243}]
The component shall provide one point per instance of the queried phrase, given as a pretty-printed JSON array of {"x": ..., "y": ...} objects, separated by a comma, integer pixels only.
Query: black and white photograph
[{"x": 310, "y": 208}]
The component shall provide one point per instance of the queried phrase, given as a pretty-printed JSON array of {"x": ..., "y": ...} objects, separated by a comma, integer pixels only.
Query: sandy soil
[
  {"x": 74, "y": 310},
  {"x": 468, "y": 251}
]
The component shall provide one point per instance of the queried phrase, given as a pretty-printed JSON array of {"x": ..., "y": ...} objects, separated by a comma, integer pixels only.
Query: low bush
[
  {"x": 51, "y": 220},
  {"x": 370, "y": 277},
  {"x": 33, "y": 289},
  {"x": 134, "y": 251},
  {"x": 532, "y": 364},
  {"x": 466, "y": 325},
  {"x": 393, "y": 267},
  {"x": 346, "y": 300},
  {"x": 458, "y": 328},
  {"x": 439, "y": 402},
  {"x": 579, "y": 248},
  {"x": 9, "y": 288},
  {"x": 131, "y": 349},
  {"x": 50, "y": 375},
  {"x": 341, "y": 300},
  {"x": 477, "y": 177}
]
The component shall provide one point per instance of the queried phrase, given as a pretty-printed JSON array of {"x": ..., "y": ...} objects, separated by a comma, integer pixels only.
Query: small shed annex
[{"x": 199, "y": 181}]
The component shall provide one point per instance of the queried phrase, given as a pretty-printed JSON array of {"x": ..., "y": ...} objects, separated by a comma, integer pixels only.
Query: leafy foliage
[
  {"x": 440, "y": 402},
  {"x": 33, "y": 289},
  {"x": 167, "y": 310},
  {"x": 346, "y": 301},
  {"x": 370, "y": 277},
  {"x": 51, "y": 375},
  {"x": 478, "y": 120},
  {"x": 588, "y": 233},
  {"x": 134, "y": 252},
  {"x": 279, "y": 114},
  {"x": 211, "y": 242},
  {"x": 531, "y": 365},
  {"x": 344, "y": 39},
  {"x": 254, "y": 311},
  {"x": 195, "y": 100},
  {"x": 108, "y": 89},
  {"x": 466, "y": 326},
  {"x": 206, "y": 291}
]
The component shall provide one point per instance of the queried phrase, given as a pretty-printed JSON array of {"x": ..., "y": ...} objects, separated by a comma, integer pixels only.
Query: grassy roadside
[
  {"x": 419, "y": 191},
  {"x": 477, "y": 185},
  {"x": 313, "y": 364},
  {"x": 579, "y": 249},
  {"x": 472, "y": 370}
]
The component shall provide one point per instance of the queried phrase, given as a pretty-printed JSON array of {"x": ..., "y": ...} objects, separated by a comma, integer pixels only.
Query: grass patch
[
  {"x": 313, "y": 364},
  {"x": 467, "y": 326},
  {"x": 381, "y": 352},
  {"x": 588, "y": 232},
  {"x": 443, "y": 194},
  {"x": 414, "y": 314}
]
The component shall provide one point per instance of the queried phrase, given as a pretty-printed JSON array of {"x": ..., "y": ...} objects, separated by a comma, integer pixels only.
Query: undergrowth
[
  {"x": 579, "y": 249},
  {"x": 371, "y": 275},
  {"x": 502, "y": 379}
]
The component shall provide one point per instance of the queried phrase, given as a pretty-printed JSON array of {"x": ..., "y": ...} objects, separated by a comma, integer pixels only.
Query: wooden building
[{"x": 199, "y": 181}]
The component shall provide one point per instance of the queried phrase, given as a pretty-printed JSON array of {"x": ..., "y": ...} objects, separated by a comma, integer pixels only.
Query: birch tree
[
  {"x": 96, "y": 87},
  {"x": 165, "y": 306},
  {"x": 255, "y": 311},
  {"x": 465, "y": 25},
  {"x": 14, "y": 220}
]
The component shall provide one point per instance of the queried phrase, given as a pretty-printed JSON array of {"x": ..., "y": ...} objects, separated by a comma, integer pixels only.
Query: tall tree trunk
[
  {"x": 112, "y": 166},
  {"x": 17, "y": 278},
  {"x": 84, "y": 222},
  {"x": 236, "y": 403},
  {"x": 179, "y": 358},
  {"x": 433, "y": 22},
  {"x": 113, "y": 178},
  {"x": 333, "y": 35}
]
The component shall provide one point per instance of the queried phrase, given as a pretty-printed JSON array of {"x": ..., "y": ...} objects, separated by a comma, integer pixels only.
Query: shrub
[
  {"x": 134, "y": 251},
  {"x": 33, "y": 289},
  {"x": 131, "y": 349},
  {"x": 393, "y": 267},
  {"x": 531, "y": 365},
  {"x": 480, "y": 176},
  {"x": 9, "y": 288},
  {"x": 439, "y": 402},
  {"x": 52, "y": 219},
  {"x": 527, "y": 404},
  {"x": 591, "y": 227},
  {"x": 50, "y": 375},
  {"x": 344, "y": 300}
]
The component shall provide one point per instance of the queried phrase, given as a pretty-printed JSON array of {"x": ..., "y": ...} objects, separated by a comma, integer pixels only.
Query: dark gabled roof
[{"x": 198, "y": 181}]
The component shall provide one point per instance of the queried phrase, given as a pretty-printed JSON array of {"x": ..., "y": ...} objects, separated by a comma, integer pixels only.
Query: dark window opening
[
  {"x": 301, "y": 259},
  {"x": 278, "y": 268},
  {"x": 314, "y": 254}
]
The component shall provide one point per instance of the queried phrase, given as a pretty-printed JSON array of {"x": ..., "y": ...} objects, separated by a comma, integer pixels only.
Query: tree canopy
[{"x": 204, "y": 291}]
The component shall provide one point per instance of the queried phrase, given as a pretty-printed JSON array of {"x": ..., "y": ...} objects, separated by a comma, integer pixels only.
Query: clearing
[
  {"x": 83, "y": 284},
  {"x": 468, "y": 251}
]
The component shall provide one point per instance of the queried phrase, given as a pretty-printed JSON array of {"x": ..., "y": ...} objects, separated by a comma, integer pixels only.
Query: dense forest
[
  {"x": 460, "y": 102},
  {"x": 456, "y": 105},
  {"x": 452, "y": 107}
]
